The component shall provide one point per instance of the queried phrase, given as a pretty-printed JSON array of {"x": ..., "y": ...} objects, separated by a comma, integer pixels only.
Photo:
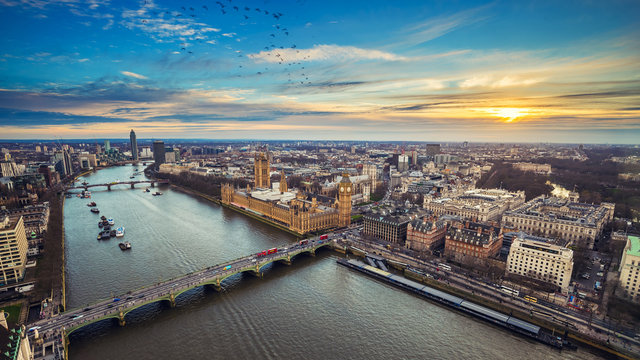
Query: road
[{"x": 59, "y": 325}]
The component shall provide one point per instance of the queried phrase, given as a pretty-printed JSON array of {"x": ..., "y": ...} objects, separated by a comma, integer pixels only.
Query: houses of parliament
[{"x": 297, "y": 210}]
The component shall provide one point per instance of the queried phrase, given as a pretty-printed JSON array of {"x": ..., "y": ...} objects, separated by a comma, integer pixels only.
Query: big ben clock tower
[{"x": 344, "y": 201}]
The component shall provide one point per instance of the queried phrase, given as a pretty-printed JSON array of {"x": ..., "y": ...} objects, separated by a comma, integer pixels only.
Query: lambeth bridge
[
  {"x": 86, "y": 186},
  {"x": 52, "y": 333}
]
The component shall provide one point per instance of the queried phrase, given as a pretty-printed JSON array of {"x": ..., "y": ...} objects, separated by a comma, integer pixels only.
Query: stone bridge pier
[{"x": 121, "y": 320}]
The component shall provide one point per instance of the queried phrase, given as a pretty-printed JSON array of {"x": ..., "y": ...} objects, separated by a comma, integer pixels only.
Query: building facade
[
  {"x": 540, "y": 259},
  {"x": 630, "y": 269},
  {"x": 134, "y": 145},
  {"x": 470, "y": 240},
  {"x": 478, "y": 204},
  {"x": 389, "y": 227},
  {"x": 544, "y": 169},
  {"x": 158, "y": 153},
  {"x": 425, "y": 234},
  {"x": 372, "y": 171},
  {"x": 299, "y": 212},
  {"x": 552, "y": 217},
  {"x": 13, "y": 250},
  {"x": 261, "y": 171}
]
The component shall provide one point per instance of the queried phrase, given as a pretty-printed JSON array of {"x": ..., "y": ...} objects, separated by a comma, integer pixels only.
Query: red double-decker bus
[
  {"x": 324, "y": 237},
  {"x": 272, "y": 251},
  {"x": 263, "y": 253}
]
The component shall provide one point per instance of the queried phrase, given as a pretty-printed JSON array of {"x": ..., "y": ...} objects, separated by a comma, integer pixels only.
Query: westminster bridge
[{"x": 53, "y": 333}]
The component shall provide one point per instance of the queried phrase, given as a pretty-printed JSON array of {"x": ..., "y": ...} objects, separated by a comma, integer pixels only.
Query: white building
[
  {"x": 538, "y": 258},
  {"x": 630, "y": 268}
]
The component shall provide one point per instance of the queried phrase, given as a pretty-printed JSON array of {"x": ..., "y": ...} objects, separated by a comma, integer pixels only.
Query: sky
[{"x": 499, "y": 71}]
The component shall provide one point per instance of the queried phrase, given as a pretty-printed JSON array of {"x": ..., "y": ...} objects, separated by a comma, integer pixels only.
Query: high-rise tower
[
  {"x": 283, "y": 182},
  {"x": 158, "y": 153},
  {"x": 344, "y": 201},
  {"x": 134, "y": 145},
  {"x": 261, "y": 170}
]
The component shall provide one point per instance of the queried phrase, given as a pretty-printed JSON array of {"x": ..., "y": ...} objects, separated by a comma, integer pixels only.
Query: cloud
[
  {"x": 324, "y": 53},
  {"x": 436, "y": 27},
  {"x": 108, "y": 25},
  {"x": 133, "y": 75},
  {"x": 492, "y": 82}
]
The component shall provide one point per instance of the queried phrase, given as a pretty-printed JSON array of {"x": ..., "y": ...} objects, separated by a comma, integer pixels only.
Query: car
[
  {"x": 86, "y": 309},
  {"x": 110, "y": 305},
  {"x": 116, "y": 299},
  {"x": 74, "y": 317},
  {"x": 140, "y": 296},
  {"x": 600, "y": 273},
  {"x": 34, "y": 328},
  {"x": 129, "y": 297}
]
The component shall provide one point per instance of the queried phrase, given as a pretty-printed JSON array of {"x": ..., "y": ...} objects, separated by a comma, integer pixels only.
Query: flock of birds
[{"x": 294, "y": 68}]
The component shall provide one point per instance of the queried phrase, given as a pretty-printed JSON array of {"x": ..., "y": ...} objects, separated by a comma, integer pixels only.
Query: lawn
[{"x": 13, "y": 314}]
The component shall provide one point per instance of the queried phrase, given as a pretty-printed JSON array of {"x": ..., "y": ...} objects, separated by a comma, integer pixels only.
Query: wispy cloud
[
  {"x": 133, "y": 75},
  {"x": 324, "y": 53},
  {"x": 500, "y": 82},
  {"x": 438, "y": 26}
]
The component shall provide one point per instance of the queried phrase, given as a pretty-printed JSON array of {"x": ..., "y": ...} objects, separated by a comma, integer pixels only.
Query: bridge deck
[{"x": 69, "y": 321}]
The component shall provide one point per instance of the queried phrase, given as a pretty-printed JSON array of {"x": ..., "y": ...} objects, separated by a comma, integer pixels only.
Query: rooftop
[{"x": 634, "y": 249}]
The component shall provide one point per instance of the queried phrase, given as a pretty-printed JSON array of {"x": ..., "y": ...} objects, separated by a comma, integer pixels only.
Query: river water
[{"x": 313, "y": 309}]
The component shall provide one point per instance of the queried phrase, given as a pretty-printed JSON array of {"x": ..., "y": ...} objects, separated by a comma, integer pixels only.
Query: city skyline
[{"x": 433, "y": 72}]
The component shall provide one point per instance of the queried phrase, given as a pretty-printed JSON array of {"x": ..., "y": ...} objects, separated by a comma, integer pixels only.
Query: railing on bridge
[
  {"x": 167, "y": 291},
  {"x": 86, "y": 186}
]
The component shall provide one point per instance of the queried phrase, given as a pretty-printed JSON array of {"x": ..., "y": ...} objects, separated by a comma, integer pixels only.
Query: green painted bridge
[{"x": 62, "y": 326}]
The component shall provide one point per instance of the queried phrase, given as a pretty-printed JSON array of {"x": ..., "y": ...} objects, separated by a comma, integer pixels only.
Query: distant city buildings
[
  {"x": 544, "y": 169},
  {"x": 134, "y": 145},
  {"x": 541, "y": 259}
]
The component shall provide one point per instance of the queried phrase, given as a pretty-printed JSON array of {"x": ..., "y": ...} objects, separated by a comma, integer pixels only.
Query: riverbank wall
[
  {"x": 237, "y": 209},
  {"x": 500, "y": 307}
]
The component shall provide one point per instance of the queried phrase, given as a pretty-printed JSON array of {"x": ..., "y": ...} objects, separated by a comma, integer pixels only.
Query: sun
[{"x": 509, "y": 114}]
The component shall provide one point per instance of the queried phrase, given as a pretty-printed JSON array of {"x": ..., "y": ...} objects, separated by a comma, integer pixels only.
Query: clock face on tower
[
  {"x": 341, "y": 189},
  {"x": 349, "y": 189}
]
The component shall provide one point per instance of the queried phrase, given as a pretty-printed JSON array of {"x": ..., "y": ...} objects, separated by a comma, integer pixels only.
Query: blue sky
[{"x": 364, "y": 70}]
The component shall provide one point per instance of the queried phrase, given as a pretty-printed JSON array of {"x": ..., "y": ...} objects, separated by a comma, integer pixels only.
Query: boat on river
[
  {"x": 95, "y": 210},
  {"x": 120, "y": 231},
  {"x": 157, "y": 193},
  {"x": 91, "y": 204},
  {"x": 112, "y": 232},
  {"x": 125, "y": 246},
  {"x": 110, "y": 221},
  {"x": 100, "y": 225}
]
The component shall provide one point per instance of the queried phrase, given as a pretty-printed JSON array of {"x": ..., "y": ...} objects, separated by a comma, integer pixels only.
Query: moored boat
[
  {"x": 103, "y": 218},
  {"x": 95, "y": 210},
  {"x": 99, "y": 236},
  {"x": 157, "y": 193},
  {"x": 112, "y": 233},
  {"x": 125, "y": 246},
  {"x": 93, "y": 203},
  {"x": 110, "y": 221},
  {"x": 100, "y": 224},
  {"x": 120, "y": 231},
  {"x": 148, "y": 190},
  {"x": 105, "y": 234}
]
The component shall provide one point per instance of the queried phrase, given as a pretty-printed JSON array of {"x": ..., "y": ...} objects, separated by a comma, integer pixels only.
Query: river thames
[{"x": 314, "y": 309}]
